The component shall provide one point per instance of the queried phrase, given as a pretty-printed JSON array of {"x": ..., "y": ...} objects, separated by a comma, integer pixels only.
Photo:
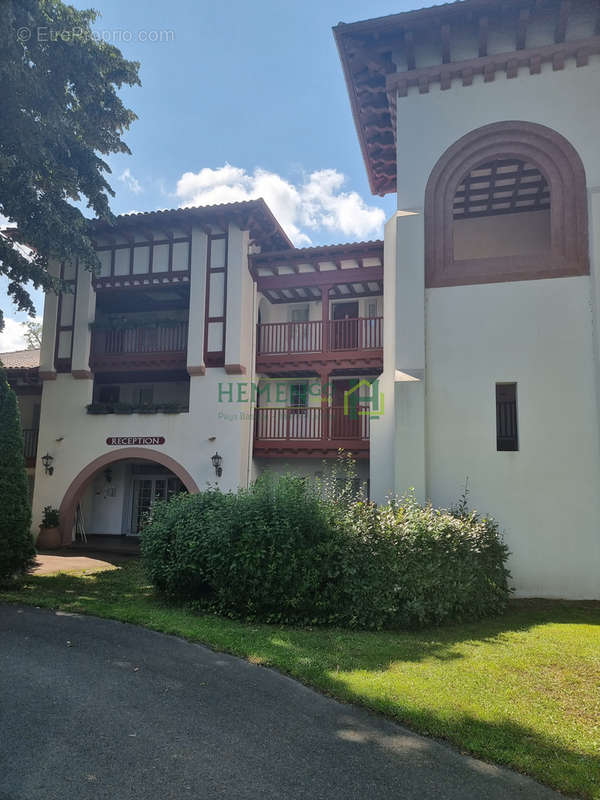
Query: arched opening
[
  {"x": 506, "y": 202},
  {"x": 115, "y": 490},
  {"x": 501, "y": 208}
]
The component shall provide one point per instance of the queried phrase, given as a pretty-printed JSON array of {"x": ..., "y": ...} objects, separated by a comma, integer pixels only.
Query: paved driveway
[{"x": 96, "y": 709}]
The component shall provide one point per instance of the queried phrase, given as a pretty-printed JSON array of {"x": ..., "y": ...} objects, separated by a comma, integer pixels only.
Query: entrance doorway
[
  {"x": 145, "y": 492},
  {"x": 345, "y": 326}
]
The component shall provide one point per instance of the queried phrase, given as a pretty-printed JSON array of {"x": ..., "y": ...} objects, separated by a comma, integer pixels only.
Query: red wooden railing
[
  {"x": 364, "y": 333},
  {"x": 170, "y": 338},
  {"x": 313, "y": 423},
  {"x": 281, "y": 338}
]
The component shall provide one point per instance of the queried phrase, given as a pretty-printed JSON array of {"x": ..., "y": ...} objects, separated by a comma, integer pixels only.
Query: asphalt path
[{"x": 92, "y": 708}]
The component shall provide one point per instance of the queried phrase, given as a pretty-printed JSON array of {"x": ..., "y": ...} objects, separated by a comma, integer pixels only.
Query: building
[
  {"x": 22, "y": 368},
  {"x": 207, "y": 350},
  {"x": 200, "y": 353},
  {"x": 482, "y": 117}
]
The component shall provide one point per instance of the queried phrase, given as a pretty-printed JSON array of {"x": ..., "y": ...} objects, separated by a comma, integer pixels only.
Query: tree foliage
[
  {"x": 60, "y": 114},
  {"x": 33, "y": 334},
  {"x": 16, "y": 543}
]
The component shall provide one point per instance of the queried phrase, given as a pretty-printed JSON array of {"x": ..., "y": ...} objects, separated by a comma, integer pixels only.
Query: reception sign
[{"x": 135, "y": 440}]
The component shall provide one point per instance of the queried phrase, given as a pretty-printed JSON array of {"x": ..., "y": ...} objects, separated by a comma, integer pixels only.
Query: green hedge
[
  {"x": 17, "y": 552},
  {"x": 281, "y": 551}
]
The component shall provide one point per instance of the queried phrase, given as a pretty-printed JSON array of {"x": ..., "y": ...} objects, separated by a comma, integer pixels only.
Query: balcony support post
[
  {"x": 325, "y": 318},
  {"x": 324, "y": 381}
]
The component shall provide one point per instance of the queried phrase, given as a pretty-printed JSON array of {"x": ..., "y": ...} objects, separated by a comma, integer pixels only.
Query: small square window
[{"x": 507, "y": 435}]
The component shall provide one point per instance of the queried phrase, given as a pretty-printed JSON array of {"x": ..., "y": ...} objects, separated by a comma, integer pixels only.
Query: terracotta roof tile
[{"x": 21, "y": 359}]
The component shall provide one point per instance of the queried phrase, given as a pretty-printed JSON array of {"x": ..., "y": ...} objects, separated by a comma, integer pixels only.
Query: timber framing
[
  {"x": 385, "y": 59},
  {"x": 301, "y": 275}
]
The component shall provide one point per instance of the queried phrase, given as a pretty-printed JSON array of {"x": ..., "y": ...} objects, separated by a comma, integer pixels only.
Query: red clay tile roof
[
  {"x": 21, "y": 359},
  {"x": 252, "y": 214}
]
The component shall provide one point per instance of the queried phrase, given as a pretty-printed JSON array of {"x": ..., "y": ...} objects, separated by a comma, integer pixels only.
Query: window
[
  {"x": 506, "y": 417},
  {"x": 108, "y": 394},
  {"x": 299, "y": 314},
  {"x": 372, "y": 310},
  {"x": 216, "y": 301},
  {"x": 299, "y": 396},
  {"x": 143, "y": 396}
]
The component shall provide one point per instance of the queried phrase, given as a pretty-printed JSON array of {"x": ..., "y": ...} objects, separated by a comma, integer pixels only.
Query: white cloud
[
  {"x": 316, "y": 203},
  {"x": 130, "y": 181},
  {"x": 13, "y": 335}
]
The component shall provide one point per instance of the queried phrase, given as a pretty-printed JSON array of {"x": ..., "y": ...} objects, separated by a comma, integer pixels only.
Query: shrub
[
  {"x": 50, "y": 517},
  {"x": 16, "y": 543},
  {"x": 285, "y": 550}
]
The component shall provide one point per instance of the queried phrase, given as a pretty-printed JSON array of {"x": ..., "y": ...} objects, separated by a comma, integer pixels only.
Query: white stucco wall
[
  {"x": 309, "y": 467},
  {"x": 189, "y": 437},
  {"x": 565, "y": 100},
  {"x": 282, "y": 312},
  {"x": 546, "y": 496},
  {"x": 541, "y": 334}
]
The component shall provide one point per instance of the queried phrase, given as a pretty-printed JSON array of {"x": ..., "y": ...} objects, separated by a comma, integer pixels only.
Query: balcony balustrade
[
  {"x": 311, "y": 431},
  {"x": 343, "y": 342},
  {"x": 162, "y": 346}
]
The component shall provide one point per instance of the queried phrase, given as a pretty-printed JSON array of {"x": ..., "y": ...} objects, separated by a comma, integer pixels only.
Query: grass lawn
[{"x": 521, "y": 690}]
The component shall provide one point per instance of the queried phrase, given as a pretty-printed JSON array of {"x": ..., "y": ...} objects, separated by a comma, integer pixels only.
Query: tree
[
  {"x": 16, "y": 543},
  {"x": 60, "y": 113},
  {"x": 33, "y": 334}
]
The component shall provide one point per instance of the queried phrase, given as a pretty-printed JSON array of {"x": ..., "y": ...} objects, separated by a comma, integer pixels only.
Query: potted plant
[{"x": 49, "y": 535}]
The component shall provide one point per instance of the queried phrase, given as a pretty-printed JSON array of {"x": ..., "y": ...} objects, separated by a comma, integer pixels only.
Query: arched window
[{"x": 506, "y": 202}]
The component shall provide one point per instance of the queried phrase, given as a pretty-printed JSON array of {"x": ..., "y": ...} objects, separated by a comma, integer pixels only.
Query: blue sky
[{"x": 241, "y": 99}]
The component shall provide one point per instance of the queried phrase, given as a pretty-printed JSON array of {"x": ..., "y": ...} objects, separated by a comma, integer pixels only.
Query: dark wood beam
[{"x": 355, "y": 275}]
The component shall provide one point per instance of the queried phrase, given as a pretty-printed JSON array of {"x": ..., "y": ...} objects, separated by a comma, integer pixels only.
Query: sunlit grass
[{"x": 522, "y": 690}]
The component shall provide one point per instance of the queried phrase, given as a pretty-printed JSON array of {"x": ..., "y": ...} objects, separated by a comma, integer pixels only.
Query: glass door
[
  {"x": 145, "y": 492},
  {"x": 142, "y": 503}
]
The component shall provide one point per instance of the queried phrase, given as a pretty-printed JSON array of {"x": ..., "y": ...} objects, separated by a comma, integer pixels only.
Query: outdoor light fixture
[
  {"x": 108, "y": 474},
  {"x": 217, "y": 460},
  {"x": 47, "y": 462}
]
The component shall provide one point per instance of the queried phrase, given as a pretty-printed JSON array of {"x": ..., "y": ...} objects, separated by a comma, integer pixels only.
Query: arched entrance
[{"x": 79, "y": 484}]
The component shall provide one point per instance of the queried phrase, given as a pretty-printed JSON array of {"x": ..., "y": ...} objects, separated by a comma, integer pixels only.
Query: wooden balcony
[
  {"x": 30, "y": 442},
  {"x": 341, "y": 344},
  {"x": 143, "y": 348},
  {"x": 310, "y": 432}
]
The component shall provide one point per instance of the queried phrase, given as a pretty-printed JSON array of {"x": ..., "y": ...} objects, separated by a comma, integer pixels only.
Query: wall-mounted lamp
[
  {"x": 217, "y": 460},
  {"x": 108, "y": 475},
  {"x": 47, "y": 462}
]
